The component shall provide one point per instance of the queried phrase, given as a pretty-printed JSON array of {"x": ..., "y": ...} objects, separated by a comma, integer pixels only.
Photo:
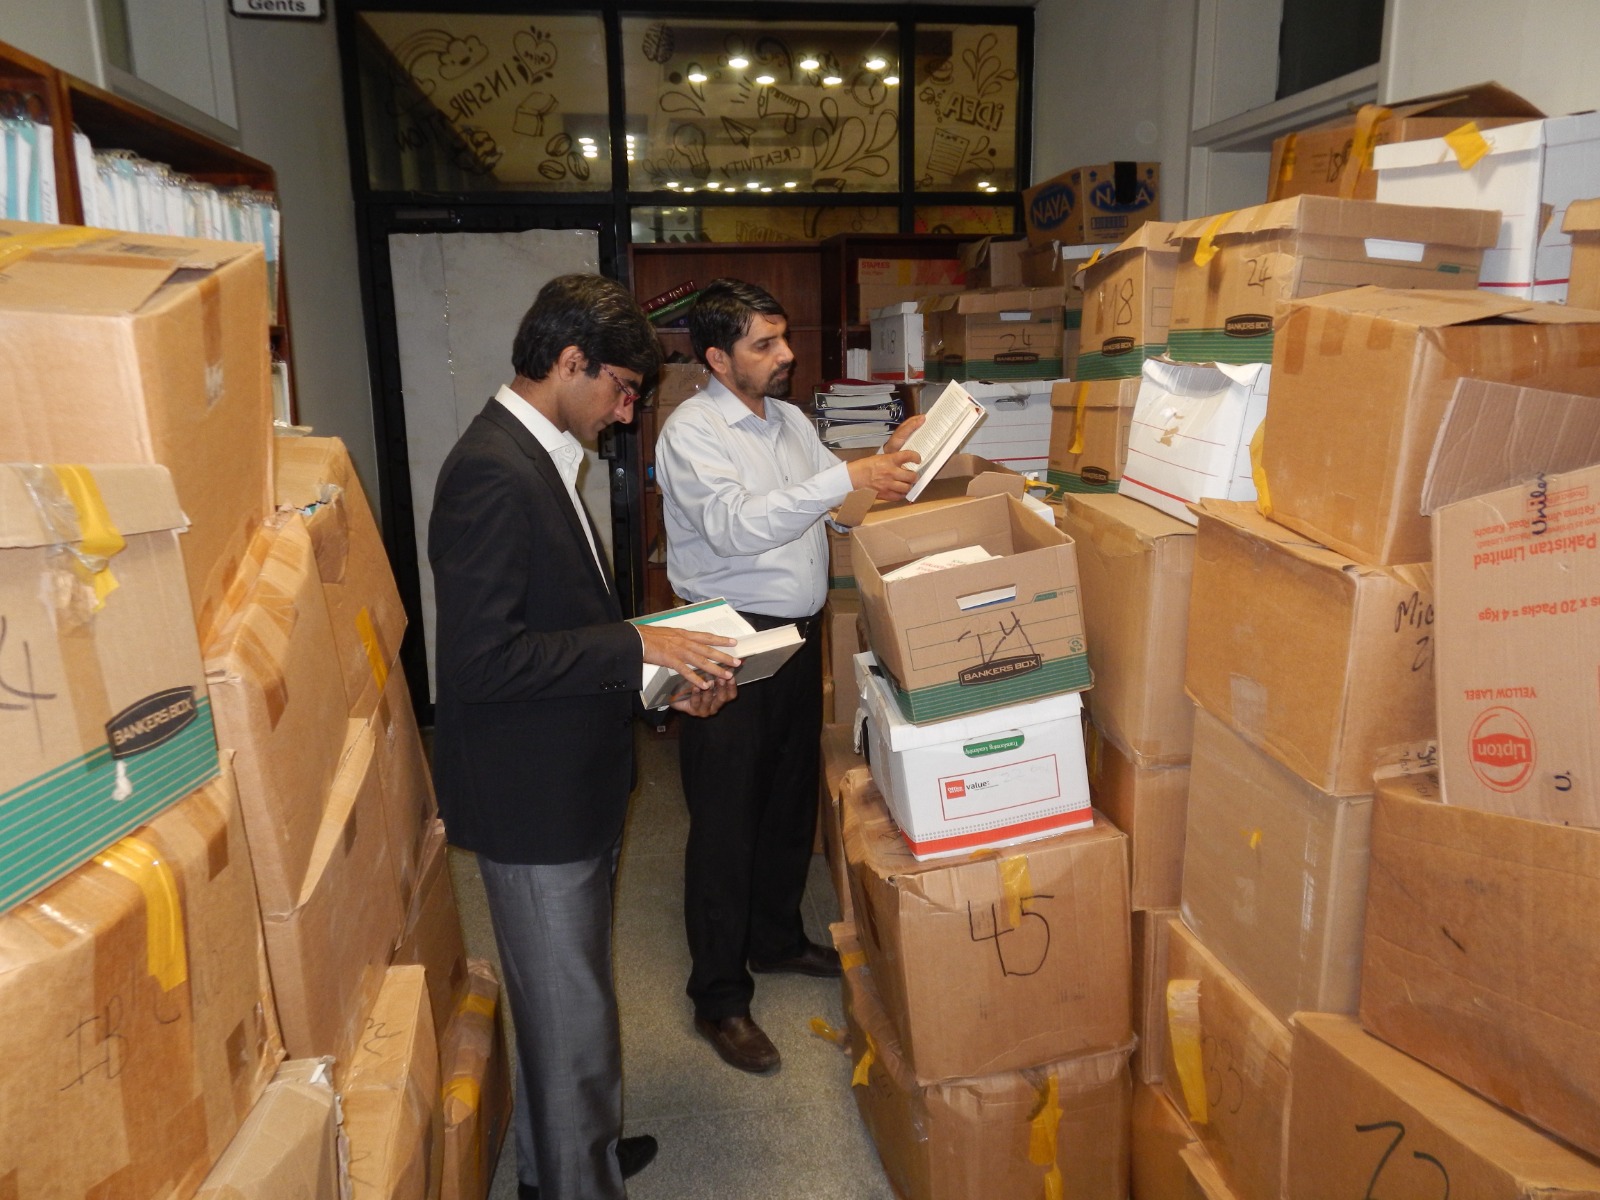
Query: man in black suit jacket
[{"x": 537, "y": 676}]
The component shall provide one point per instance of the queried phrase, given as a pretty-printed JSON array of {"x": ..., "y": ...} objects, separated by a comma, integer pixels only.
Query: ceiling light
[
  {"x": 809, "y": 64},
  {"x": 672, "y": 183},
  {"x": 630, "y": 137},
  {"x": 891, "y": 80},
  {"x": 764, "y": 80},
  {"x": 791, "y": 183},
  {"x": 752, "y": 185},
  {"x": 983, "y": 183},
  {"x": 831, "y": 81},
  {"x": 738, "y": 62},
  {"x": 876, "y": 64},
  {"x": 583, "y": 141},
  {"x": 713, "y": 184},
  {"x": 766, "y": 189},
  {"x": 696, "y": 75},
  {"x": 686, "y": 191}
]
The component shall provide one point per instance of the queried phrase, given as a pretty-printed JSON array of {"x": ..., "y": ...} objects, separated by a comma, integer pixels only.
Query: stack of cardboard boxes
[{"x": 214, "y": 773}]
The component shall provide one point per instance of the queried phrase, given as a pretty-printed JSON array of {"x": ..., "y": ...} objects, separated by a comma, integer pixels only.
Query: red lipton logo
[
  {"x": 955, "y": 789},
  {"x": 1501, "y": 749}
]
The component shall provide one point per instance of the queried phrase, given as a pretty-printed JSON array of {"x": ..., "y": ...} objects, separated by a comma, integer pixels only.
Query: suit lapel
[{"x": 545, "y": 468}]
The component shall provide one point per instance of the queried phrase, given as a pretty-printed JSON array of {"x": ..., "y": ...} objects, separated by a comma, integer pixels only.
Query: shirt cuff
[
  {"x": 644, "y": 667},
  {"x": 835, "y": 483}
]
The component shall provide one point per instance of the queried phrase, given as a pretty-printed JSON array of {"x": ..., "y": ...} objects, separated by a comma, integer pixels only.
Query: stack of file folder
[{"x": 853, "y": 414}]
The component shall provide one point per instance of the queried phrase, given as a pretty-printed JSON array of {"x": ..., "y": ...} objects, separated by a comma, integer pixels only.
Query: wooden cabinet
[
  {"x": 65, "y": 103},
  {"x": 846, "y": 326}
]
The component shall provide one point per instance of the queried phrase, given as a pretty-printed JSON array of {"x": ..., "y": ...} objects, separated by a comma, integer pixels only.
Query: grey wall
[{"x": 63, "y": 33}]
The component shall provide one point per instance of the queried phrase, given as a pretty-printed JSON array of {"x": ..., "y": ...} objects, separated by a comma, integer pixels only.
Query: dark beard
[{"x": 780, "y": 383}]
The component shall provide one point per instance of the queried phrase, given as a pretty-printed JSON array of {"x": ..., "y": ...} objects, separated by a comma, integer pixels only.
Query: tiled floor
[{"x": 724, "y": 1135}]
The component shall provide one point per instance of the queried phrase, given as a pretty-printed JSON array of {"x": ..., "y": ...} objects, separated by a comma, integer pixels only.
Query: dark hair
[
  {"x": 595, "y": 314},
  {"x": 722, "y": 312}
]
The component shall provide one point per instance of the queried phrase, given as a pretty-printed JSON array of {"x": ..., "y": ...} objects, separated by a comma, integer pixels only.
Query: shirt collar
[
  {"x": 732, "y": 409},
  {"x": 560, "y": 446}
]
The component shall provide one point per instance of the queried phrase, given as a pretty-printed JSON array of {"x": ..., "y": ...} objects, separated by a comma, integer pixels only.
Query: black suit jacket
[{"x": 537, "y": 673}]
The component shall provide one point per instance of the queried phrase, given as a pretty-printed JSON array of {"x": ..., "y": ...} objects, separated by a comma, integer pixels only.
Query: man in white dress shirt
[{"x": 747, "y": 482}]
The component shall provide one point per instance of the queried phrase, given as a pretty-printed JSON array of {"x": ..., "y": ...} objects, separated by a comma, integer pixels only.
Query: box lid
[
  {"x": 1120, "y": 525},
  {"x": 1583, "y": 216},
  {"x": 904, "y": 308},
  {"x": 980, "y": 477},
  {"x": 36, "y": 509},
  {"x": 1497, "y": 435},
  {"x": 47, "y": 268},
  {"x": 879, "y": 704},
  {"x": 1247, "y": 518},
  {"x": 1427, "y": 152},
  {"x": 1333, "y": 217},
  {"x": 1427, "y": 309},
  {"x": 993, "y": 300}
]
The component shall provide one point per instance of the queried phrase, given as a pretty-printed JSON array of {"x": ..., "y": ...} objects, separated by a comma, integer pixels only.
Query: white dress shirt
[
  {"x": 567, "y": 454},
  {"x": 744, "y": 500}
]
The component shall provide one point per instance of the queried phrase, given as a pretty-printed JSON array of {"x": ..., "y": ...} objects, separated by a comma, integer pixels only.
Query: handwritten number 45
[
  {"x": 1027, "y": 953},
  {"x": 1399, "y": 1132}
]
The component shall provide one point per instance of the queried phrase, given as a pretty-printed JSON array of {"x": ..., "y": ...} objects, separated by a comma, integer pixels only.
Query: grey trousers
[{"x": 553, "y": 926}]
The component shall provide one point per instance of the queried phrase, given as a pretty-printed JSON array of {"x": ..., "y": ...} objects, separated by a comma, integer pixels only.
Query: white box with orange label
[{"x": 989, "y": 779}]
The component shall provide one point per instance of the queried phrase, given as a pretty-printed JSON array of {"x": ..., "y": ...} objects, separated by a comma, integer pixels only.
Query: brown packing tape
[
  {"x": 28, "y": 244},
  {"x": 211, "y": 328},
  {"x": 1360, "y": 160},
  {"x": 262, "y": 664}
]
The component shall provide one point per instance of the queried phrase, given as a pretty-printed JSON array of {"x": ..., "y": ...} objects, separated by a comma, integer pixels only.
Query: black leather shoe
[
  {"x": 634, "y": 1154},
  {"x": 741, "y": 1043},
  {"x": 819, "y": 961}
]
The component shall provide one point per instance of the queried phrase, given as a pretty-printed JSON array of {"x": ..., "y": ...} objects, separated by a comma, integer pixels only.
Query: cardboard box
[
  {"x": 844, "y": 642},
  {"x": 1335, "y": 158},
  {"x": 993, "y": 963},
  {"x": 1363, "y": 1116},
  {"x": 896, "y": 346},
  {"x": 1062, "y": 1125},
  {"x": 993, "y": 262},
  {"x": 842, "y": 770},
  {"x": 288, "y": 1147},
  {"x": 1227, "y": 1069},
  {"x": 1135, "y": 566},
  {"x": 1100, "y": 203},
  {"x": 1016, "y": 432},
  {"x": 105, "y": 720},
  {"x": 1479, "y": 953},
  {"x": 1234, "y": 270},
  {"x": 135, "y": 1012},
  {"x": 963, "y": 476},
  {"x": 476, "y": 1079},
  {"x": 1582, "y": 225},
  {"x": 869, "y": 296},
  {"x": 1089, "y": 428},
  {"x": 273, "y": 673},
  {"x": 329, "y": 951},
  {"x": 911, "y": 270},
  {"x": 1360, "y": 384},
  {"x": 391, "y": 1114},
  {"x": 993, "y": 778},
  {"x": 1275, "y": 875},
  {"x": 995, "y": 334},
  {"x": 1512, "y": 490},
  {"x": 409, "y": 805},
  {"x": 1127, "y": 304},
  {"x": 316, "y": 478},
  {"x": 1530, "y": 172},
  {"x": 1159, "y": 1136},
  {"x": 432, "y": 937},
  {"x": 1317, "y": 660},
  {"x": 946, "y": 646},
  {"x": 841, "y": 567},
  {"x": 134, "y": 348},
  {"x": 1152, "y": 935},
  {"x": 1150, "y": 805},
  {"x": 1191, "y": 434},
  {"x": 1203, "y": 1181}
]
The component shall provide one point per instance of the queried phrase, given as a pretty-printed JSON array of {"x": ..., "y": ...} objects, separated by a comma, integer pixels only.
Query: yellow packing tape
[
  {"x": 1042, "y": 1133},
  {"x": 1093, "y": 258},
  {"x": 369, "y": 641},
  {"x": 825, "y": 1031},
  {"x": 1017, "y": 886},
  {"x": 1081, "y": 402},
  {"x": 1361, "y": 143},
  {"x": 855, "y": 958},
  {"x": 1285, "y": 165},
  {"x": 98, "y": 538},
  {"x": 1183, "y": 1030},
  {"x": 477, "y": 1004},
  {"x": 1467, "y": 144},
  {"x": 864, "y": 1066},
  {"x": 465, "y": 1089},
  {"x": 141, "y": 864},
  {"x": 1253, "y": 837},
  {"x": 1258, "y": 473},
  {"x": 1206, "y": 249},
  {"x": 13, "y": 248}
]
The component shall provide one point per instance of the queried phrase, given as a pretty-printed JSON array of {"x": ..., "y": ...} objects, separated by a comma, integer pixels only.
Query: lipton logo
[
  {"x": 1000, "y": 668},
  {"x": 1095, "y": 475},
  {"x": 1114, "y": 346},
  {"x": 146, "y": 724},
  {"x": 1245, "y": 325},
  {"x": 1501, "y": 749},
  {"x": 1017, "y": 356},
  {"x": 1052, "y": 206},
  {"x": 1103, "y": 196}
]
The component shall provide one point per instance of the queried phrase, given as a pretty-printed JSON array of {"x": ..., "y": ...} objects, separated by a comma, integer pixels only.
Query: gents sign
[{"x": 303, "y": 10}]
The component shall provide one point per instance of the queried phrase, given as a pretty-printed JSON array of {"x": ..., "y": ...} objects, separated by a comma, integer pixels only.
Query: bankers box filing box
[
  {"x": 1360, "y": 382},
  {"x": 993, "y": 778},
  {"x": 104, "y": 718},
  {"x": 1315, "y": 659},
  {"x": 1367, "y": 1119},
  {"x": 1090, "y": 423},
  {"x": 995, "y": 334},
  {"x": 1512, "y": 488},
  {"x": 979, "y": 636},
  {"x": 1479, "y": 955},
  {"x": 136, "y": 1015},
  {"x": 1127, "y": 304},
  {"x": 1529, "y": 172},
  {"x": 1236, "y": 268},
  {"x": 134, "y": 348},
  {"x": 1058, "y": 1128},
  {"x": 995, "y": 962}
]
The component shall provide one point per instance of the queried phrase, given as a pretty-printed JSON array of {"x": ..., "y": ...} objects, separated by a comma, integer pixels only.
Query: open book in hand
[
  {"x": 954, "y": 415},
  {"x": 761, "y": 651}
]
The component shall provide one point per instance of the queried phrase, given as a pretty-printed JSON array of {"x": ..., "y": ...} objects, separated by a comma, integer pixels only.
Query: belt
[{"x": 806, "y": 625}]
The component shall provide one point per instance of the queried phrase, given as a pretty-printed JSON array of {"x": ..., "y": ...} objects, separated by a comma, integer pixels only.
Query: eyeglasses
[{"x": 633, "y": 394}]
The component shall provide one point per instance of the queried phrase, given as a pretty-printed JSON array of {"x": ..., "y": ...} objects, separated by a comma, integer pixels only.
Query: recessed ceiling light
[
  {"x": 584, "y": 141},
  {"x": 686, "y": 191},
  {"x": 876, "y": 64},
  {"x": 672, "y": 183},
  {"x": 713, "y": 185},
  {"x": 752, "y": 185},
  {"x": 831, "y": 81},
  {"x": 891, "y": 80},
  {"x": 764, "y": 80},
  {"x": 791, "y": 183},
  {"x": 739, "y": 62},
  {"x": 766, "y": 189},
  {"x": 697, "y": 76},
  {"x": 809, "y": 64},
  {"x": 983, "y": 183}
]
